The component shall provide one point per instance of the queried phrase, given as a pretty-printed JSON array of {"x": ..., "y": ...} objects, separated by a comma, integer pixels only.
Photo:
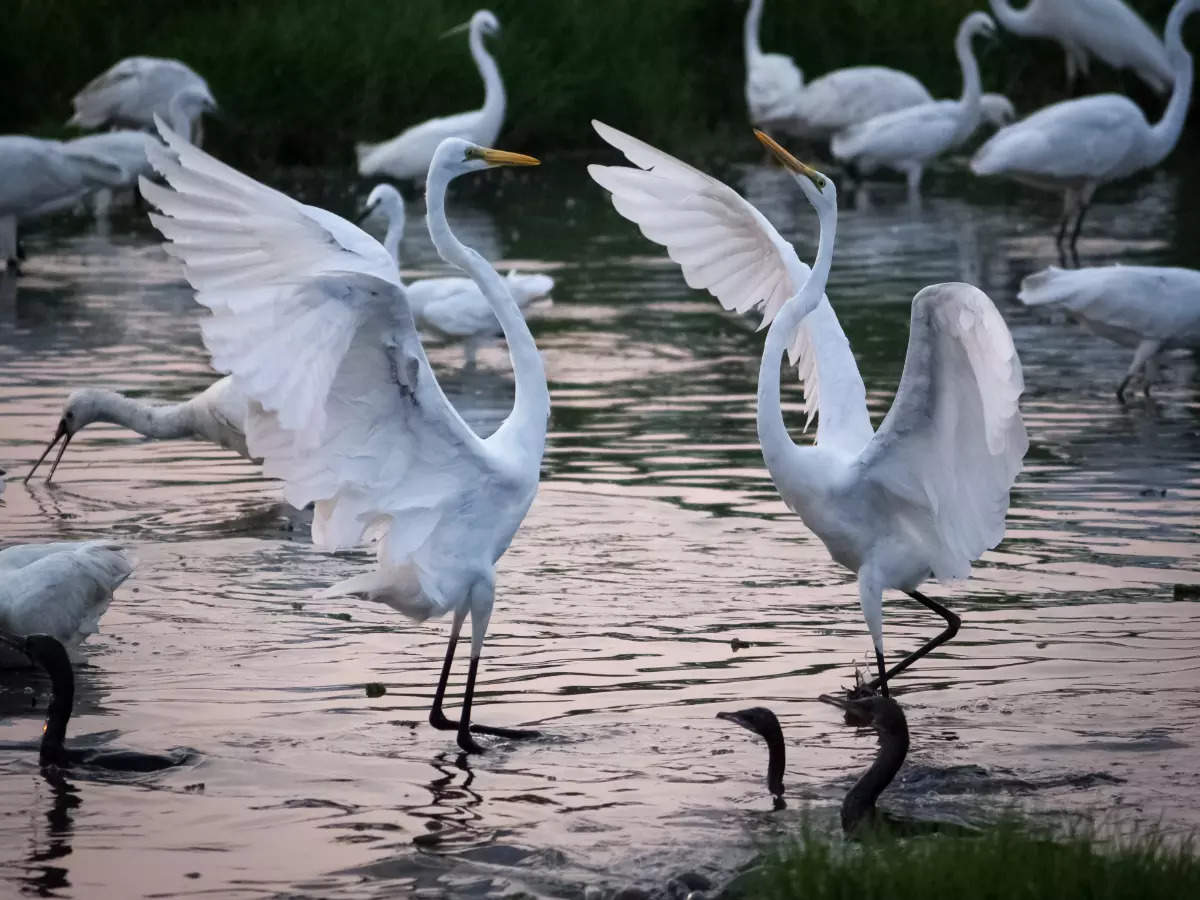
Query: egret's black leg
[
  {"x": 465, "y": 741},
  {"x": 883, "y": 675},
  {"x": 1124, "y": 384},
  {"x": 436, "y": 717},
  {"x": 952, "y": 625},
  {"x": 1083, "y": 208}
]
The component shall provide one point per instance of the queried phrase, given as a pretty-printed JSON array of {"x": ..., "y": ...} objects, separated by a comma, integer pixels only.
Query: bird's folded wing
[
  {"x": 951, "y": 446},
  {"x": 727, "y": 247},
  {"x": 895, "y": 135},
  {"x": 310, "y": 318}
]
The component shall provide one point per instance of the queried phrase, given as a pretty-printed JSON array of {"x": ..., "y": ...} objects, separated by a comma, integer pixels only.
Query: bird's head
[
  {"x": 818, "y": 188},
  {"x": 483, "y": 23},
  {"x": 764, "y": 723},
  {"x": 82, "y": 408},
  {"x": 455, "y": 156},
  {"x": 385, "y": 199},
  {"x": 977, "y": 24},
  {"x": 874, "y": 711}
]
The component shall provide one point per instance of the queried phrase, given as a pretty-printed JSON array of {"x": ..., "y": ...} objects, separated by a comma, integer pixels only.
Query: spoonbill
[
  {"x": 1106, "y": 29},
  {"x": 39, "y": 177},
  {"x": 927, "y": 493},
  {"x": 408, "y": 155},
  {"x": 216, "y": 414},
  {"x": 138, "y": 88},
  {"x": 49, "y": 653},
  {"x": 1077, "y": 145},
  {"x": 345, "y": 409},
  {"x": 1149, "y": 308},
  {"x": 60, "y": 589},
  {"x": 908, "y": 139},
  {"x": 452, "y": 308}
]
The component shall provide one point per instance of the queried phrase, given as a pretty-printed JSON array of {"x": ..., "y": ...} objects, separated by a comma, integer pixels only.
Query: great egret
[
  {"x": 924, "y": 495},
  {"x": 50, "y": 654},
  {"x": 1149, "y": 308},
  {"x": 409, "y": 154},
  {"x": 773, "y": 81},
  {"x": 38, "y": 177},
  {"x": 138, "y": 88},
  {"x": 314, "y": 325},
  {"x": 858, "y": 806},
  {"x": 453, "y": 308},
  {"x": 1106, "y": 29},
  {"x": 1077, "y": 145},
  {"x": 216, "y": 414},
  {"x": 908, "y": 139},
  {"x": 60, "y": 589}
]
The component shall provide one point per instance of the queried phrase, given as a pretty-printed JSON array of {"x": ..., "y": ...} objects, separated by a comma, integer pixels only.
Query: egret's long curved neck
[
  {"x": 1165, "y": 134},
  {"x": 395, "y": 233},
  {"x": 772, "y": 431},
  {"x": 860, "y": 801},
  {"x": 532, "y": 403},
  {"x": 750, "y": 32},
  {"x": 1018, "y": 21},
  {"x": 968, "y": 104},
  {"x": 493, "y": 86},
  {"x": 153, "y": 420}
]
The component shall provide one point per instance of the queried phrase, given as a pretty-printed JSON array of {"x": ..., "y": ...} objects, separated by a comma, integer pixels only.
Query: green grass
[
  {"x": 1007, "y": 862},
  {"x": 301, "y": 80}
]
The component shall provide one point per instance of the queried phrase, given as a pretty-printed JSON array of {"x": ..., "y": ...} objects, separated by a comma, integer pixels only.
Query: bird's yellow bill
[
  {"x": 789, "y": 162},
  {"x": 504, "y": 158}
]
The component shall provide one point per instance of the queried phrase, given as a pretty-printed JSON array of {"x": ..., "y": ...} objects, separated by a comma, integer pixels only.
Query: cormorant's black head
[{"x": 764, "y": 723}]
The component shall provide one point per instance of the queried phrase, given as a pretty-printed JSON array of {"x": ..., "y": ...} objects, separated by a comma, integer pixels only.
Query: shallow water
[{"x": 656, "y": 538}]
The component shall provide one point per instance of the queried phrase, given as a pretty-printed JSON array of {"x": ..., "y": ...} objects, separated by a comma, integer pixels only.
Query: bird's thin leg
[
  {"x": 436, "y": 717},
  {"x": 1085, "y": 201},
  {"x": 465, "y": 741},
  {"x": 952, "y": 624}
]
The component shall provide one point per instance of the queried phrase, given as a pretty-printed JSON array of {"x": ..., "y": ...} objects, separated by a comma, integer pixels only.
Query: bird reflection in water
[{"x": 451, "y": 817}]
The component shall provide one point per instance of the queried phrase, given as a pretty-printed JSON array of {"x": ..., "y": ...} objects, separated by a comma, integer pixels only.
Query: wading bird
[
  {"x": 60, "y": 589},
  {"x": 138, "y": 88},
  {"x": 314, "y": 325},
  {"x": 1077, "y": 145},
  {"x": 773, "y": 81},
  {"x": 49, "y": 653},
  {"x": 1149, "y": 308},
  {"x": 927, "y": 493},
  {"x": 1106, "y": 29},
  {"x": 909, "y": 139},
  {"x": 452, "y": 308},
  {"x": 409, "y": 154},
  {"x": 39, "y": 177},
  {"x": 216, "y": 414}
]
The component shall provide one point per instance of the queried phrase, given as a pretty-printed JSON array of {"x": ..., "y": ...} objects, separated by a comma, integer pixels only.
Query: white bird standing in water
[
  {"x": 408, "y": 155},
  {"x": 773, "y": 81},
  {"x": 927, "y": 493},
  {"x": 314, "y": 324},
  {"x": 1149, "y": 308},
  {"x": 217, "y": 414},
  {"x": 452, "y": 308},
  {"x": 1106, "y": 29},
  {"x": 138, "y": 88},
  {"x": 909, "y": 139},
  {"x": 1077, "y": 145},
  {"x": 60, "y": 589}
]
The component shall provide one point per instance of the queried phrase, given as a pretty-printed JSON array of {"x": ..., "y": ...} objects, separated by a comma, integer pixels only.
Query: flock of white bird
[{"x": 327, "y": 383}]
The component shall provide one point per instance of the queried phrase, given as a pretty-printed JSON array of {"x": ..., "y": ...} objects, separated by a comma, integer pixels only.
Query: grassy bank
[
  {"x": 1004, "y": 863},
  {"x": 301, "y": 80}
]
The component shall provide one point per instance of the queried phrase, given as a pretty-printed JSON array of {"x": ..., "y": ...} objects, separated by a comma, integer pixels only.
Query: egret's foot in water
[
  {"x": 515, "y": 734},
  {"x": 467, "y": 743}
]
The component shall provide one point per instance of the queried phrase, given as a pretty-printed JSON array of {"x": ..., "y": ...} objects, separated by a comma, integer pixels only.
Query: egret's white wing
[
  {"x": 408, "y": 154},
  {"x": 1146, "y": 302},
  {"x": 952, "y": 443},
  {"x": 310, "y": 317},
  {"x": 1075, "y": 139},
  {"x": 845, "y": 97},
  {"x": 454, "y": 307},
  {"x": 727, "y": 247},
  {"x": 916, "y": 132}
]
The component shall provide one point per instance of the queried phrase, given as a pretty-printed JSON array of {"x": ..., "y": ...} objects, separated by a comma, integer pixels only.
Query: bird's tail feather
[{"x": 398, "y": 587}]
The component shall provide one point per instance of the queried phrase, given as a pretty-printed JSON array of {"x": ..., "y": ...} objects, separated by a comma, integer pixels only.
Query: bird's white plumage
[
  {"x": 1106, "y": 29},
  {"x": 407, "y": 156},
  {"x": 310, "y": 318},
  {"x": 725, "y": 246},
  {"x": 60, "y": 589},
  {"x": 135, "y": 90},
  {"x": 123, "y": 149},
  {"x": 845, "y": 97},
  {"x": 773, "y": 81},
  {"x": 924, "y": 495}
]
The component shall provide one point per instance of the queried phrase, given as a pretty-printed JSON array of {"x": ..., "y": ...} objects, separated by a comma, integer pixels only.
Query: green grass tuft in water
[{"x": 1007, "y": 862}]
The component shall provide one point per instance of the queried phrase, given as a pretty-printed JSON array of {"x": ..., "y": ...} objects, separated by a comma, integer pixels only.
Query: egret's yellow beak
[
  {"x": 790, "y": 162},
  {"x": 504, "y": 158},
  {"x": 457, "y": 29}
]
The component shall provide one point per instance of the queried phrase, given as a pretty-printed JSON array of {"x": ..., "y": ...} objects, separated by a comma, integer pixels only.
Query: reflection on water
[{"x": 655, "y": 540}]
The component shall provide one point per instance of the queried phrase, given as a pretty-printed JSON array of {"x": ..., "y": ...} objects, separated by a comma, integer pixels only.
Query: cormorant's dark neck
[
  {"x": 776, "y": 762},
  {"x": 62, "y": 701},
  {"x": 860, "y": 801}
]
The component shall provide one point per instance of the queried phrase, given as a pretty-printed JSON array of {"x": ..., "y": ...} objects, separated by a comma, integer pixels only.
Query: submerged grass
[
  {"x": 301, "y": 80},
  {"x": 1007, "y": 862}
]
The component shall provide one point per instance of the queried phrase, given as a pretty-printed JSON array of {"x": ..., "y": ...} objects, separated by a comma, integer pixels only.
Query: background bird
[
  {"x": 408, "y": 155},
  {"x": 1149, "y": 308},
  {"x": 927, "y": 493},
  {"x": 136, "y": 89}
]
